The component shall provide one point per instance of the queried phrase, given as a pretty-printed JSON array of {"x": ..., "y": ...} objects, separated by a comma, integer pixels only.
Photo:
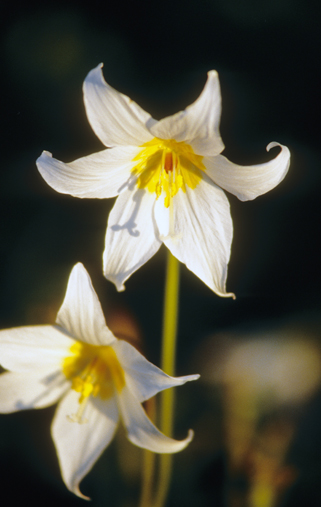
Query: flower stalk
[
  {"x": 170, "y": 321},
  {"x": 148, "y": 462}
]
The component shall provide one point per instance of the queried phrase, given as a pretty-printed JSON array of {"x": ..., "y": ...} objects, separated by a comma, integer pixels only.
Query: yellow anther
[
  {"x": 87, "y": 389},
  {"x": 165, "y": 165},
  {"x": 179, "y": 181},
  {"x": 93, "y": 370},
  {"x": 158, "y": 189},
  {"x": 77, "y": 384}
]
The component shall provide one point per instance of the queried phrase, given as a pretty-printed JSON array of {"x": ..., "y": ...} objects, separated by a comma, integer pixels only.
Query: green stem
[
  {"x": 147, "y": 478},
  {"x": 148, "y": 462},
  {"x": 168, "y": 365}
]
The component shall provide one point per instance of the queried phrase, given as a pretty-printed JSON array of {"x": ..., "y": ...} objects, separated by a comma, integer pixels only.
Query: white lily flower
[
  {"x": 98, "y": 378},
  {"x": 169, "y": 176}
]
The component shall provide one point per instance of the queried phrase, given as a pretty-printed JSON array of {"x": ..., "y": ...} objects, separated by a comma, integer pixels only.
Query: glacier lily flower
[
  {"x": 97, "y": 378},
  {"x": 169, "y": 177}
]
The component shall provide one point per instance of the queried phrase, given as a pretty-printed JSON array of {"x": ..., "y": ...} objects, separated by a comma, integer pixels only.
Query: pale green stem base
[
  {"x": 148, "y": 465},
  {"x": 167, "y": 396},
  {"x": 168, "y": 365},
  {"x": 147, "y": 479}
]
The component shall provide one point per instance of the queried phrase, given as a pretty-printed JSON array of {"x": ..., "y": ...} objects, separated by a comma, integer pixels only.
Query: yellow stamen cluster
[
  {"x": 167, "y": 166},
  {"x": 93, "y": 370}
]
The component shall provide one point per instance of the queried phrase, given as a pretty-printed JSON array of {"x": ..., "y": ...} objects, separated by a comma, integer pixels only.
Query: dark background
[{"x": 268, "y": 59}]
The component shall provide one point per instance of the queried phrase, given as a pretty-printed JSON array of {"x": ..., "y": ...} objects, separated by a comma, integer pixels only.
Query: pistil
[{"x": 166, "y": 166}]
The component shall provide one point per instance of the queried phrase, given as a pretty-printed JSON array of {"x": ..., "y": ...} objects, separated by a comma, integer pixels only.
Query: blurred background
[{"x": 256, "y": 410}]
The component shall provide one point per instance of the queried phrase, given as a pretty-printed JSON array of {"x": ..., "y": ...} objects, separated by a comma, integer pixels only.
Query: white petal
[
  {"x": 198, "y": 125},
  {"x": 202, "y": 233},
  {"x": 130, "y": 238},
  {"x": 141, "y": 431},
  {"x": 21, "y": 392},
  {"x": 247, "y": 182},
  {"x": 33, "y": 349},
  {"x": 145, "y": 379},
  {"x": 100, "y": 175},
  {"x": 79, "y": 445},
  {"x": 81, "y": 313},
  {"x": 114, "y": 117}
]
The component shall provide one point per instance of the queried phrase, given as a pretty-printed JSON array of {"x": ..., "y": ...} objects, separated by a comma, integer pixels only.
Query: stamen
[
  {"x": 78, "y": 416},
  {"x": 179, "y": 181},
  {"x": 166, "y": 166},
  {"x": 93, "y": 370},
  {"x": 158, "y": 189}
]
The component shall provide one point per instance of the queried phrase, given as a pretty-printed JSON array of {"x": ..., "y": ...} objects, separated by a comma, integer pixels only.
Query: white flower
[
  {"x": 99, "y": 379},
  {"x": 168, "y": 175}
]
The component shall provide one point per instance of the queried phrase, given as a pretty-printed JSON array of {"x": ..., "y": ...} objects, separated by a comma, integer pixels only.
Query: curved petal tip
[
  {"x": 286, "y": 152},
  {"x": 213, "y": 73},
  {"x": 226, "y": 295},
  {"x": 43, "y": 157},
  {"x": 120, "y": 287},
  {"x": 189, "y": 437},
  {"x": 283, "y": 157},
  {"x": 78, "y": 493},
  {"x": 273, "y": 144}
]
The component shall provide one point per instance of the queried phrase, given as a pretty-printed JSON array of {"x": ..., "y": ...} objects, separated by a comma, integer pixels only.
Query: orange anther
[{"x": 168, "y": 162}]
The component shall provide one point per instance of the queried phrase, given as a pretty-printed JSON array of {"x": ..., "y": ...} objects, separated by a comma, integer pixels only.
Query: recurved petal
[
  {"x": 33, "y": 349},
  {"x": 79, "y": 445},
  {"x": 114, "y": 117},
  {"x": 141, "y": 431},
  {"x": 21, "y": 392},
  {"x": 100, "y": 175},
  {"x": 198, "y": 124},
  {"x": 198, "y": 231},
  {"x": 248, "y": 182},
  {"x": 130, "y": 238},
  {"x": 81, "y": 313},
  {"x": 144, "y": 379}
]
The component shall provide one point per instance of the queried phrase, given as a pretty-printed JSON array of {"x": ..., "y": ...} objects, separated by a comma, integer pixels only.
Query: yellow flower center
[
  {"x": 167, "y": 166},
  {"x": 93, "y": 370}
]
